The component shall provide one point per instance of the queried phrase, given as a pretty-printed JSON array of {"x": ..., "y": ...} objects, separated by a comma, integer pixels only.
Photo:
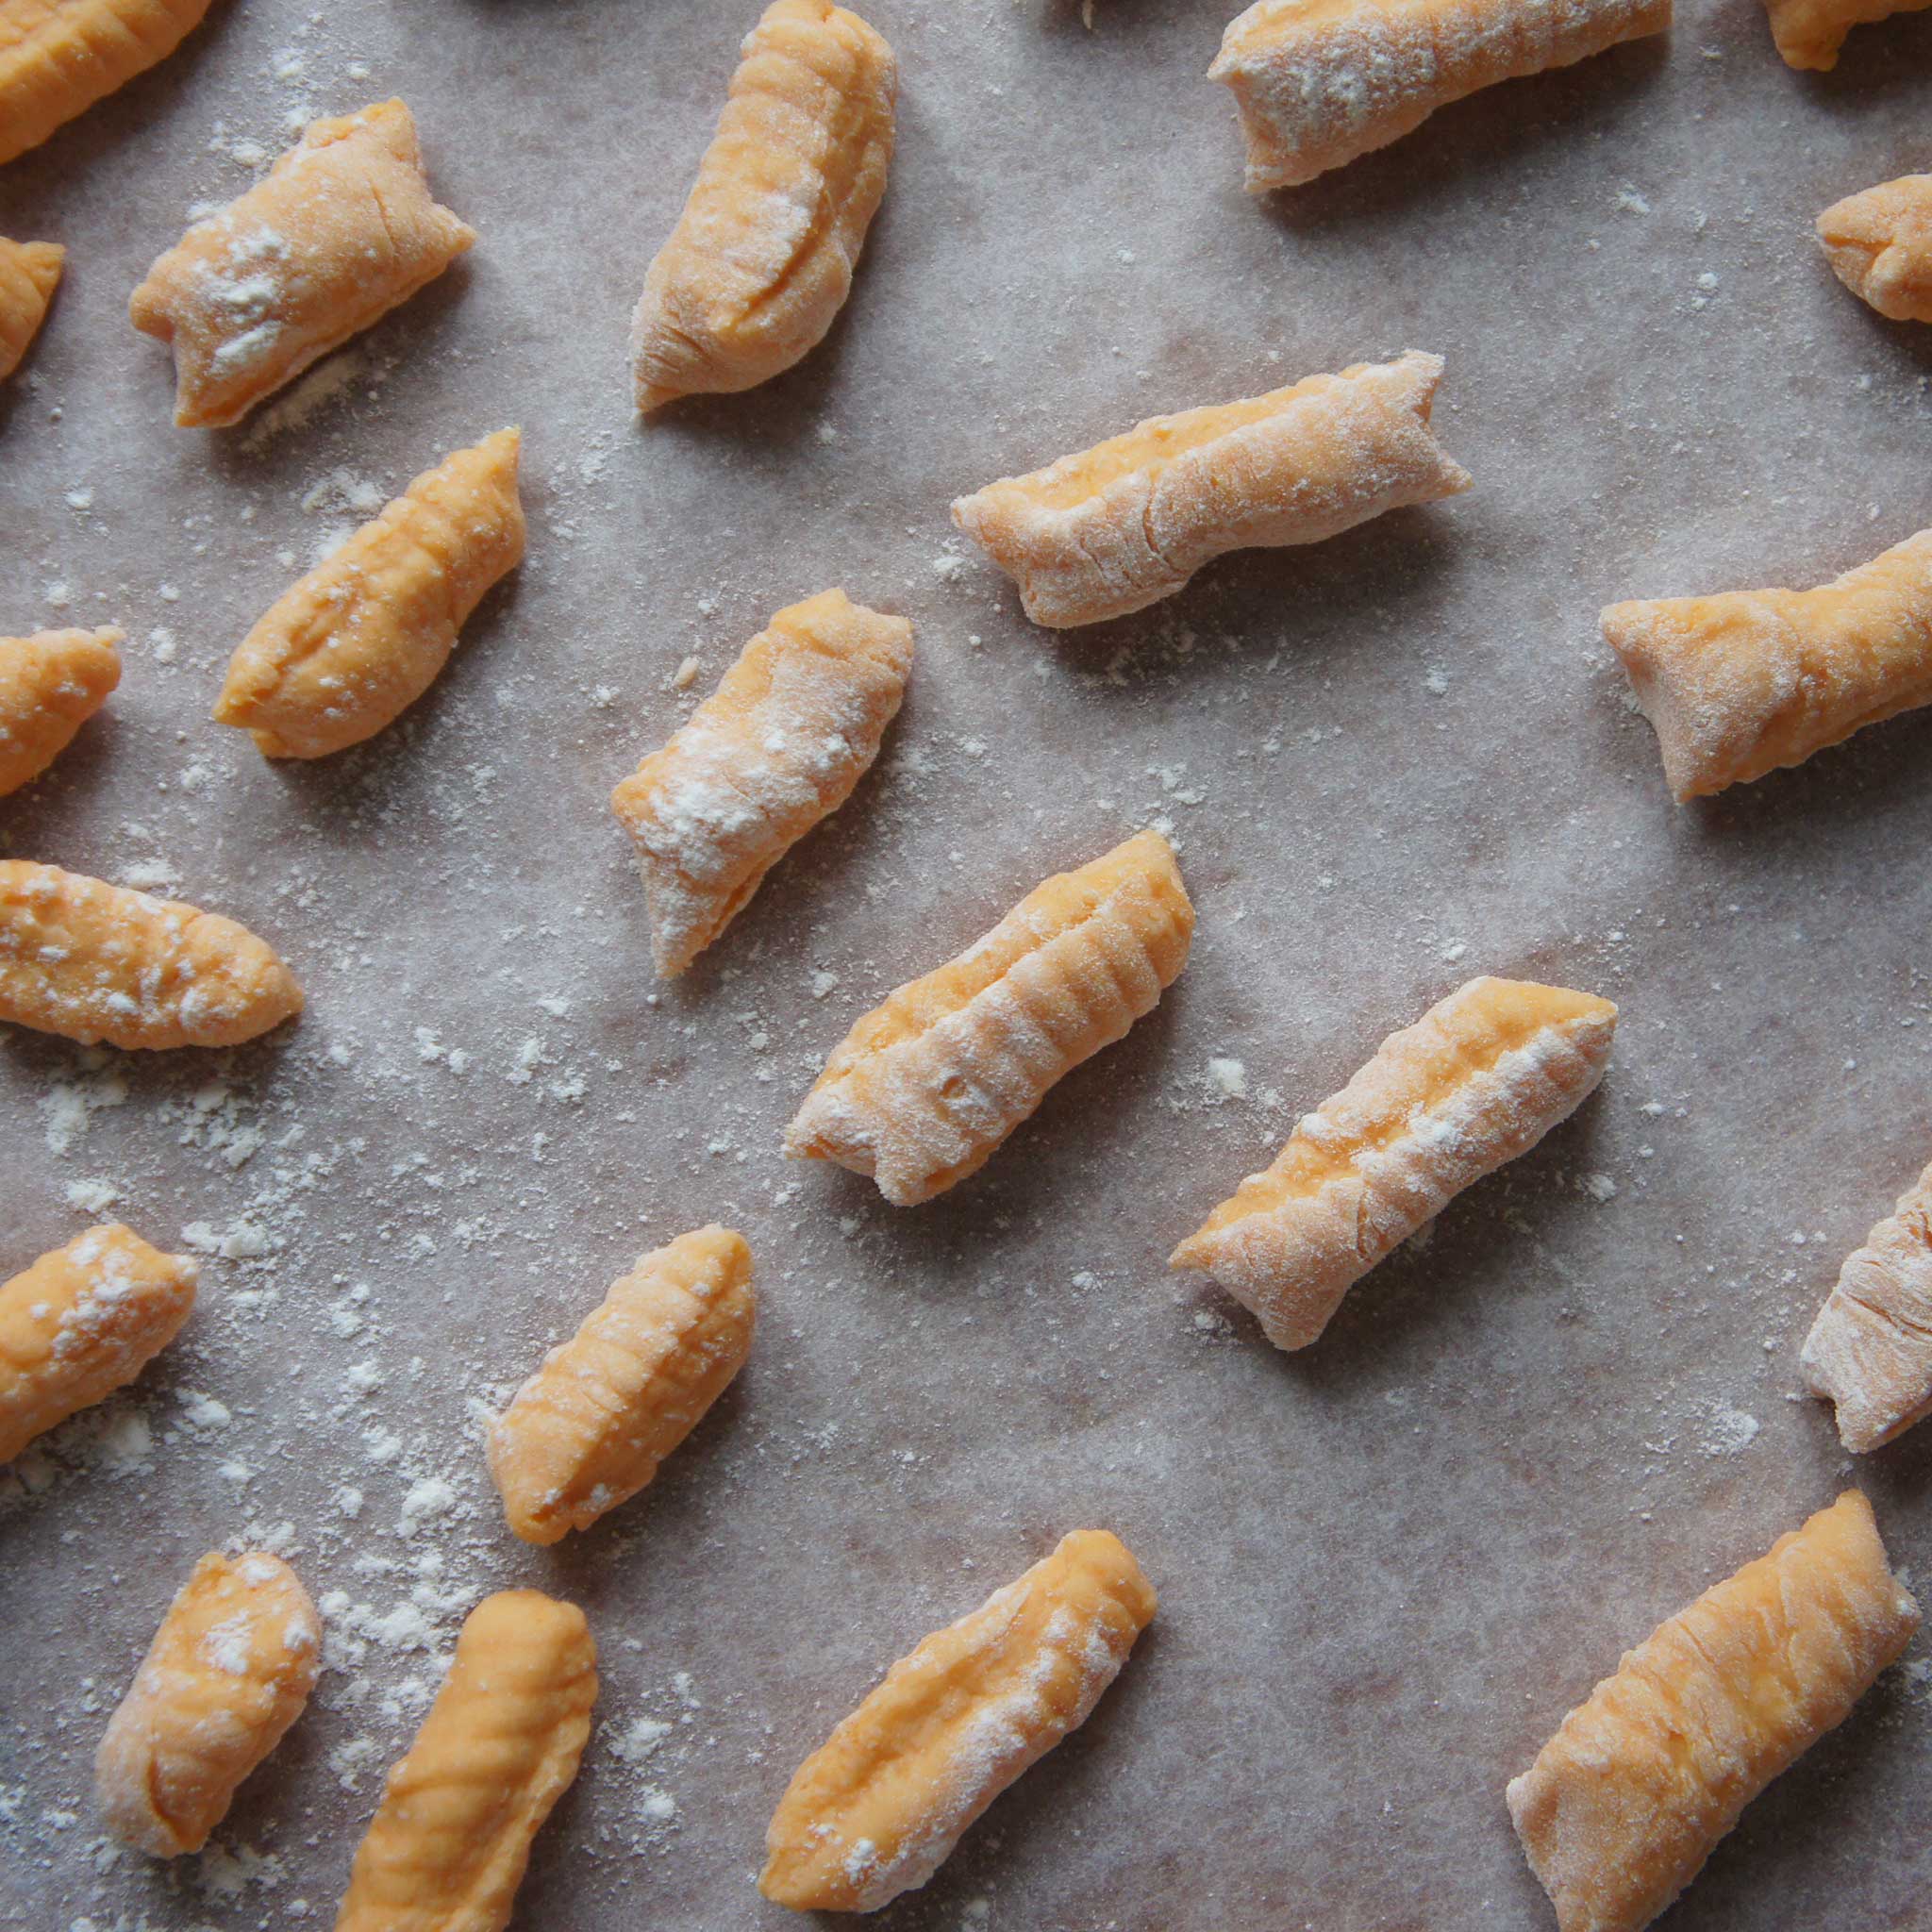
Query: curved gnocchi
[
  {"x": 1317, "y": 86},
  {"x": 57, "y": 57},
  {"x": 229, "y": 1671},
  {"x": 1808, "y": 33},
  {"x": 1739, "y": 685},
  {"x": 1480, "y": 1078},
  {"x": 1127, "y": 522},
  {"x": 1869, "y": 1350},
  {"x": 98, "y": 962},
  {"x": 779, "y": 745},
  {"x": 342, "y": 230},
  {"x": 590, "y": 1428},
  {"x": 1879, "y": 244},
  {"x": 347, "y": 650},
  {"x": 50, "y": 685},
  {"x": 879, "y": 1808},
  {"x": 925, "y": 1088},
  {"x": 1625, "y": 1803},
  {"x": 29, "y": 273},
  {"x": 761, "y": 262},
  {"x": 450, "y": 1841},
  {"x": 83, "y": 1321}
]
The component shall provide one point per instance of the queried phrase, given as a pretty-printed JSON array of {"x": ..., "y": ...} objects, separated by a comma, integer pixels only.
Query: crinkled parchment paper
[{"x": 1387, "y": 1566}]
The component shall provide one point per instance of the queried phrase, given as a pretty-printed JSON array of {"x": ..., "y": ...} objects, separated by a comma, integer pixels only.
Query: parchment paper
[{"x": 1387, "y": 1566}]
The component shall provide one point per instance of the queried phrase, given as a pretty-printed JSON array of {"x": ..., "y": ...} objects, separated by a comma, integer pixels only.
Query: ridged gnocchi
[
  {"x": 879, "y": 1808},
  {"x": 1879, "y": 244},
  {"x": 342, "y": 230},
  {"x": 229, "y": 1670},
  {"x": 1625, "y": 1803},
  {"x": 83, "y": 1321},
  {"x": 29, "y": 273},
  {"x": 925, "y": 1088},
  {"x": 346, "y": 651},
  {"x": 51, "y": 684},
  {"x": 761, "y": 259},
  {"x": 590, "y": 1428},
  {"x": 98, "y": 962},
  {"x": 795, "y": 723},
  {"x": 1808, "y": 33},
  {"x": 1480, "y": 1078}
]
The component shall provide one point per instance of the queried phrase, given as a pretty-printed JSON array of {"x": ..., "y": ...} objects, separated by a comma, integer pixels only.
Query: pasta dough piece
[
  {"x": 1318, "y": 85},
  {"x": 879, "y": 1808},
  {"x": 50, "y": 685},
  {"x": 588, "y": 1430},
  {"x": 29, "y": 273},
  {"x": 448, "y": 1845},
  {"x": 83, "y": 1321},
  {"x": 780, "y": 744},
  {"x": 1869, "y": 1351},
  {"x": 352, "y": 646},
  {"x": 1808, "y": 33},
  {"x": 98, "y": 962},
  {"x": 1879, "y": 244},
  {"x": 761, "y": 262},
  {"x": 1738, "y": 685},
  {"x": 57, "y": 57},
  {"x": 342, "y": 230},
  {"x": 925, "y": 1088},
  {"x": 1127, "y": 522},
  {"x": 1625, "y": 1803},
  {"x": 229, "y": 1671},
  {"x": 1481, "y": 1078}
]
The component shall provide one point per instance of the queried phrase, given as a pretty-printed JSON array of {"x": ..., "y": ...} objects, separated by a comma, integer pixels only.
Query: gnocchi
[
  {"x": 1319, "y": 86},
  {"x": 1869, "y": 1350},
  {"x": 346, "y": 651},
  {"x": 793, "y": 726},
  {"x": 926, "y": 1087},
  {"x": 1625, "y": 1803},
  {"x": 50, "y": 685},
  {"x": 761, "y": 259},
  {"x": 29, "y": 273},
  {"x": 1879, "y": 244},
  {"x": 879, "y": 1808},
  {"x": 1739, "y": 685},
  {"x": 57, "y": 57},
  {"x": 1808, "y": 33},
  {"x": 450, "y": 1841},
  {"x": 83, "y": 1321},
  {"x": 1127, "y": 522},
  {"x": 1480, "y": 1078},
  {"x": 590, "y": 1428},
  {"x": 98, "y": 962},
  {"x": 229, "y": 1670}
]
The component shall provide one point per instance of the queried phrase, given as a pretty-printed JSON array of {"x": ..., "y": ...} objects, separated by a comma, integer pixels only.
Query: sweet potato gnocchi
[
  {"x": 229, "y": 1670},
  {"x": 1480, "y": 1078},
  {"x": 1808, "y": 33},
  {"x": 1625, "y": 1803},
  {"x": 590, "y": 1428},
  {"x": 761, "y": 259},
  {"x": 1317, "y": 86},
  {"x": 57, "y": 57},
  {"x": 451, "y": 1839},
  {"x": 29, "y": 273},
  {"x": 1869, "y": 1350},
  {"x": 1739, "y": 685},
  {"x": 923, "y": 1089},
  {"x": 83, "y": 1321},
  {"x": 1879, "y": 244},
  {"x": 342, "y": 231},
  {"x": 1127, "y": 522},
  {"x": 780, "y": 744},
  {"x": 50, "y": 685},
  {"x": 346, "y": 651},
  {"x": 879, "y": 1808}
]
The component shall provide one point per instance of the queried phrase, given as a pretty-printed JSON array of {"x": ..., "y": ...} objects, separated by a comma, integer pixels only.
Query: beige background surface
[{"x": 1387, "y": 1567}]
